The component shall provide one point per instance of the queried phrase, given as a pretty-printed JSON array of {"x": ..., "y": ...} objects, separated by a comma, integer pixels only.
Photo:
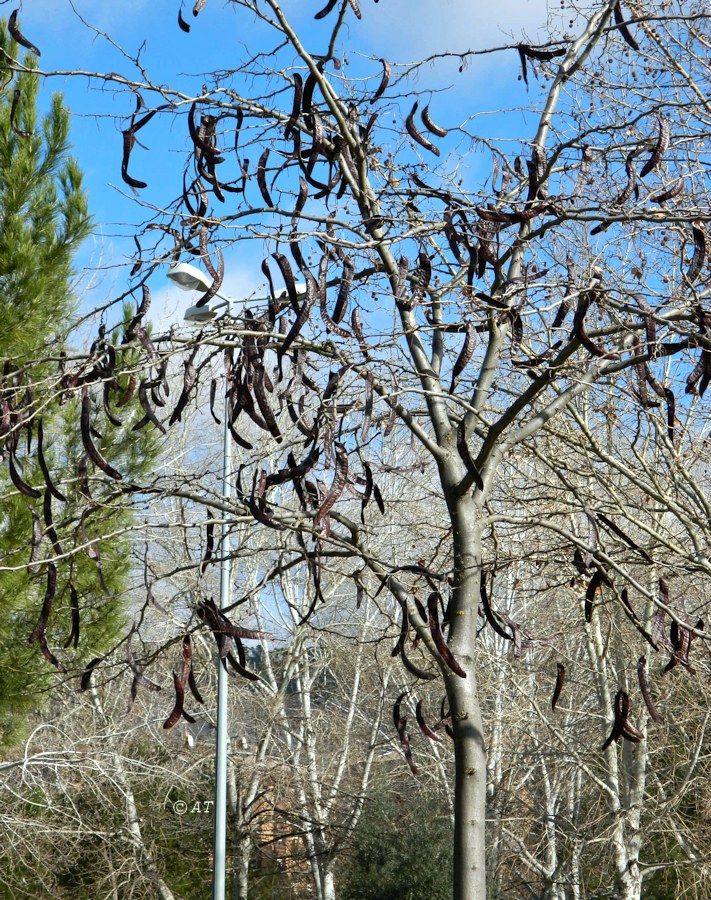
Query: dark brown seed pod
[
  {"x": 356, "y": 9},
  {"x": 17, "y": 35},
  {"x": 344, "y": 290},
  {"x": 87, "y": 441},
  {"x": 296, "y": 104},
  {"x": 322, "y": 13},
  {"x": 49, "y": 523},
  {"x": 622, "y": 706},
  {"x": 129, "y": 140},
  {"x": 209, "y": 547},
  {"x": 397, "y": 718},
  {"x": 699, "y": 257},
  {"x": 184, "y": 26},
  {"x": 593, "y": 586},
  {"x": 416, "y": 135},
  {"x": 49, "y": 594},
  {"x": 337, "y": 485},
  {"x": 669, "y": 193},
  {"x": 262, "y": 178},
  {"x": 414, "y": 669},
  {"x": 660, "y": 148},
  {"x": 18, "y": 481},
  {"x": 624, "y": 537},
  {"x": 54, "y": 491},
  {"x": 405, "y": 744},
  {"x": 488, "y": 612},
  {"x": 431, "y": 126},
  {"x": 438, "y": 638},
  {"x": 623, "y": 29},
  {"x": 177, "y": 711},
  {"x": 646, "y": 692},
  {"x": 559, "y": 682},
  {"x": 384, "y": 81},
  {"x": 88, "y": 671},
  {"x": 74, "y": 617},
  {"x": 404, "y": 628},
  {"x": 628, "y": 189},
  {"x": 671, "y": 414},
  {"x": 198, "y": 7},
  {"x": 583, "y": 171},
  {"x": 424, "y": 727}
]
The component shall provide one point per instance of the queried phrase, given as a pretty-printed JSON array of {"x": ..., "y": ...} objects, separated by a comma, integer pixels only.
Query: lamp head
[{"x": 189, "y": 278}]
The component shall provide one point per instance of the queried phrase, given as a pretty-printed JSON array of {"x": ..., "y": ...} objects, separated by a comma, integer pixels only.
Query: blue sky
[{"x": 220, "y": 37}]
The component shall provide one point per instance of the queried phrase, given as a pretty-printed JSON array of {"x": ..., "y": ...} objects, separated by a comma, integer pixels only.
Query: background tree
[{"x": 44, "y": 219}]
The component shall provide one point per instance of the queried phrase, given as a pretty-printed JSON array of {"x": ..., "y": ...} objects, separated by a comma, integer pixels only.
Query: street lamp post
[{"x": 190, "y": 278}]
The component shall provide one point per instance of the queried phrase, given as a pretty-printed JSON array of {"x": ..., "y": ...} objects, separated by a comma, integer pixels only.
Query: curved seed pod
[
  {"x": 415, "y": 669},
  {"x": 36, "y": 541},
  {"x": 288, "y": 276},
  {"x": 646, "y": 693},
  {"x": 416, "y": 135},
  {"x": 431, "y": 126},
  {"x": 524, "y": 64},
  {"x": 198, "y": 7},
  {"x": 660, "y": 147},
  {"x": 129, "y": 139},
  {"x": 301, "y": 318},
  {"x": 623, "y": 29},
  {"x": 356, "y": 9},
  {"x": 424, "y": 727},
  {"x": 622, "y": 706},
  {"x": 86, "y": 676},
  {"x": 47, "y": 653},
  {"x": 699, "y": 257},
  {"x": 488, "y": 612},
  {"x": 184, "y": 26},
  {"x": 628, "y": 189},
  {"x": 559, "y": 682},
  {"x": 671, "y": 414},
  {"x": 621, "y": 534},
  {"x": 74, "y": 614},
  {"x": 49, "y": 594},
  {"x": 405, "y": 743},
  {"x": 583, "y": 172},
  {"x": 669, "y": 193},
  {"x": 87, "y": 441},
  {"x": 300, "y": 201},
  {"x": 296, "y": 104},
  {"x": 49, "y": 523},
  {"x": 438, "y": 638},
  {"x": 19, "y": 483},
  {"x": 592, "y": 589},
  {"x": 177, "y": 711},
  {"x": 127, "y": 395},
  {"x": 209, "y": 547},
  {"x": 463, "y": 450},
  {"x": 337, "y": 485},
  {"x": 368, "y": 408},
  {"x": 16, "y": 96},
  {"x": 322, "y": 13},
  {"x": 384, "y": 81},
  {"x": 137, "y": 669},
  {"x": 344, "y": 289},
  {"x": 189, "y": 380},
  {"x": 213, "y": 391},
  {"x": 262, "y": 178},
  {"x": 397, "y": 718},
  {"x": 57, "y": 494},
  {"x": 465, "y": 354},
  {"x": 630, "y": 733},
  {"x": 378, "y": 499},
  {"x": 404, "y": 628},
  {"x": 17, "y": 35}
]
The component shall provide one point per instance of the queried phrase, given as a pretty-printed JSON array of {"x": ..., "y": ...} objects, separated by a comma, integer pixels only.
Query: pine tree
[{"x": 43, "y": 220}]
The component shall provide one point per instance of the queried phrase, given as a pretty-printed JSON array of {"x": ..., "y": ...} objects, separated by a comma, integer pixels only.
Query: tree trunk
[{"x": 469, "y": 874}]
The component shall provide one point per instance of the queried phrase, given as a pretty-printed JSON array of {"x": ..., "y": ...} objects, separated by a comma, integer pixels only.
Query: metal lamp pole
[{"x": 189, "y": 278}]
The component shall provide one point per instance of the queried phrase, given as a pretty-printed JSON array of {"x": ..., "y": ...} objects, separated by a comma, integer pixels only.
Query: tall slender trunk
[{"x": 469, "y": 875}]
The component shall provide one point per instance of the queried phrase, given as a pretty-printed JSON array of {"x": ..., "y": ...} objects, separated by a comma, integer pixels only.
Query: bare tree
[{"x": 440, "y": 327}]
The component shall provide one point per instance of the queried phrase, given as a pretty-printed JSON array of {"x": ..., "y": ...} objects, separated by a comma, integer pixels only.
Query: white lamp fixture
[{"x": 189, "y": 278}]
